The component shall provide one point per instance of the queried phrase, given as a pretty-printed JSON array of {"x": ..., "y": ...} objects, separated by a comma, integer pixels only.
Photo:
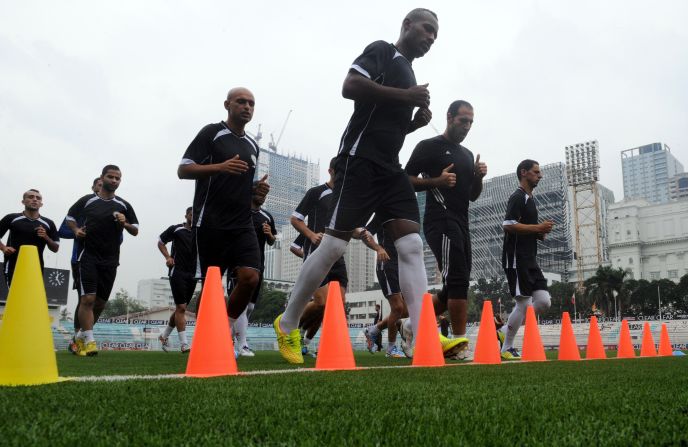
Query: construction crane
[{"x": 273, "y": 145}]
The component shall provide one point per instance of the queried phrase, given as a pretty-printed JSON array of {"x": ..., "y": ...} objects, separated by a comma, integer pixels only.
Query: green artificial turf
[{"x": 609, "y": 402}]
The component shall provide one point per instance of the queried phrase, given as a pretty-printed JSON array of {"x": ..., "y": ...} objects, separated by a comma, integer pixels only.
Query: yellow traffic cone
[{"x": 27, "y": 353}]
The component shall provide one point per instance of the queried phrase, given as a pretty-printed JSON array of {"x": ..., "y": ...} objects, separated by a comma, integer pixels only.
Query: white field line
[{"x": 120, "y": 378}]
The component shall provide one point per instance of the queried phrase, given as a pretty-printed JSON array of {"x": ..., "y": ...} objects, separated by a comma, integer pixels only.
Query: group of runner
[{"x": 368, "y": 195}]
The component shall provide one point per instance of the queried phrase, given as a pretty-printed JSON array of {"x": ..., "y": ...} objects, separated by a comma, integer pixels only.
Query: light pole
[
  {"x": 614, "y": 294},
  {"x": 659, "y": 300}
]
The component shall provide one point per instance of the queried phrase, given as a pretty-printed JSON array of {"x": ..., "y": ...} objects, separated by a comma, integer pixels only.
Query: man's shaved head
[
  {"x": 237, "y": 90},
  {"x": 419, "y": 13}
]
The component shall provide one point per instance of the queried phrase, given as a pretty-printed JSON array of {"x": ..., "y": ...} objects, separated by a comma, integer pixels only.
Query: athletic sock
[
  {"x": 88, "y": 336},
  {"x": 168, "y": 330},
  {"x": 307, "y": 341},
  {"x": 240, "y": 326},
  {"x": 412, "y": 278},
  {"x": 80, "y": 334},
  {"x": 249, "y": 309},
  {"x": 182, "y": 337},
  {"x": 373, "y": 330},
  {"x": 312, "y": 274},
  {"x": 390, "y": 346},
  {"x": 514, "y": 322}
]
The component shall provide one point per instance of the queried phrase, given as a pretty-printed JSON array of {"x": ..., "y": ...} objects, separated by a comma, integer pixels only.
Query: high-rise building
[
  {"x": 431, "y": 269},
  {"x": 289, "y": 177},
  {"x": 678, "y": 186},
  {"x": 647, "y": 170},
  {"x": 486, "y": 216}
]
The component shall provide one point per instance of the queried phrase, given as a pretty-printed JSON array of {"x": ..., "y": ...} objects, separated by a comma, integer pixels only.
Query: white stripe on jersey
[{"x": 361, "y": 70}]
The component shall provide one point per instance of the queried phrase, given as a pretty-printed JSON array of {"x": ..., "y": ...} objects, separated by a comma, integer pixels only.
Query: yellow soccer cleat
[
  {"x": 511, "y": 354},
  {"x": 90, "y": 349},
  {"x": 451, "y": 346},
  {"x": 80, "y": 346},
  {"x": 289, "y": 344}
]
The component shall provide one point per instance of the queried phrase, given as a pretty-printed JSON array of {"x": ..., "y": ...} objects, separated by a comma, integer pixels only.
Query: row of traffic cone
[
  {"x": 487, "y": 351},
  {"x": 212, "y": 351}
]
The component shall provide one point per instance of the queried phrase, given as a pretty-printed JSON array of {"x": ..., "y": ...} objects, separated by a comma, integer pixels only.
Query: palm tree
[{"x": 600, "y": 288}]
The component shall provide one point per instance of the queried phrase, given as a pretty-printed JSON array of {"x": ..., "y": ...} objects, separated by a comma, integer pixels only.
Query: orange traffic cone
[
  {"x": 625, "y": 348},
  {"x": 595, "y": 348},
  {"x": 212, "y": 350},
  {"x": 428, "y": 350},
  {"x": 665, "y": 348},
  {"x": 647, "y": 349},
  {"x": 532, "y": 351},
  {"x": 487, "y": 345},
  {"x": 568, "y": 347},
  {"x": 334, "y": 350}
]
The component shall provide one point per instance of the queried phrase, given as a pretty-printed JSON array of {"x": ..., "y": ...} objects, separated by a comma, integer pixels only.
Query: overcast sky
[{"x": 85, "y": 83}]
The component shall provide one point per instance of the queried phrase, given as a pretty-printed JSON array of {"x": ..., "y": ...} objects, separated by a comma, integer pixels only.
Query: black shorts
[
  {"x": 450, "y": 242},
  {"x": 388, "y": 277},
  {"x": 75, "y": 275},
  {"x": 8, "y": 270},
  {"x": 231, "y": 282},
  {"x": 96, "y": 278},
  {"x": 525, "y": 279},
  {"x": 183, "y": 286},
  {"x": 337, "y": 273},
  {"x": 362, "y": 187},
  {"x": 226, "y": 249}
]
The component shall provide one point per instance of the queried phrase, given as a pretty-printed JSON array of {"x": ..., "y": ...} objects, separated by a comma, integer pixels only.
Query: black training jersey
[
  {"x": 260, "y": 216},
  {"x": 23, "y": 232},
  {"x": 428, "y": 159},
  {"x": 222, "y": 201},
  {"x": 520, "y": 248},
  {"x": 315, "y": 206},
  {"x": 182, "y": 247},
  {"x": 376, "y": 131},
  {"x": 375, "y": 227},
  {"x": 103, "y": 233}
]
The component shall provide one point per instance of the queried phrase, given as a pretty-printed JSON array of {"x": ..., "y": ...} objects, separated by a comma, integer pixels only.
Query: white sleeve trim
[
  {"x": 186, "y": 161},
  {"x": 361, "y": 70},
  {"x": 135, "y": 225},
  {"x": 299, "y": 216},
  {"x": 70, "y": 218},
  {"x": 506, "y": 223}
]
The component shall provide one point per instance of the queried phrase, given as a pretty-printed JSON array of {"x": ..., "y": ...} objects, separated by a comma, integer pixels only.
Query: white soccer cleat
[{"x": 245, "y": 351}]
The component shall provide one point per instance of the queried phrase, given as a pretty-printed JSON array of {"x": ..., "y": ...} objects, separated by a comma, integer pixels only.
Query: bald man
[
  {"x": 222, "y": 160},
  {"x": 27, "y": 228}
]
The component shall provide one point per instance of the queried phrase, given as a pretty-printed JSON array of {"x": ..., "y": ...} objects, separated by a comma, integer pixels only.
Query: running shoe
[
  {"x": 90, "y": 349},
  {"x": 461, "y": 353},
  {"x": 185, "y": 348},
  {"x": 501, "y": 336},
  {"x": 370, "y": 340},
  {"x": 451, "y": 346},
  {"x": 72, "y": 346},
  {"x": 511, "y": 354},
  {"x": 289, "y": 344},
  {"x": 395, "y": 353},
  {"x": 245, "y": 351},
  {"x": 164, "y": 343},
  {"x": 406, "y": 337}
]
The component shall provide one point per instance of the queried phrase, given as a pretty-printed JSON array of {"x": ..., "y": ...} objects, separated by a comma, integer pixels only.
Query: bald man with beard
[{"x": 222, "y": 159}]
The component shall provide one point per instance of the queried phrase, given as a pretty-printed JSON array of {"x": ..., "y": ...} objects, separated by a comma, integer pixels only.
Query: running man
[
  {"x": 66, "y": 233},
  {"x": 453, "y": 179},
  {"x": 103, "y": 218},
  {"x": 223, "y": 159},
  {"x": 27, "y": 228},
  {"x": 315, "y": 207},
  {"x": 519, "y": 255},
  {"x": 182, "y": 269},
  {"x": 368, "y": 176},
  {"x": 388, "y": 278},
  {"x": 264, "y": 226}
]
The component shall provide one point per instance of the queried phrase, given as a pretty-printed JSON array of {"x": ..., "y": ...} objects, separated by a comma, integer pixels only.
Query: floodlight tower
[{"x": 582, "y": 174}]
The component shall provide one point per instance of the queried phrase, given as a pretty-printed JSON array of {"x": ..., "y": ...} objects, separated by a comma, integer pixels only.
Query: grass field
[{"x": 612, "y": 402}]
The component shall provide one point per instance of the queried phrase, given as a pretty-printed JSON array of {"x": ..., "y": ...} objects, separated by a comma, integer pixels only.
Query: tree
[
  {"x": 122, "y": 304},
  {"x": 561, "y": 293},
  {"x": 602, "y": 287},
  {"x": 493, "y": 289},
  {"x": 270, "y": 304},
  {"x": 65, "y": 314},
  {"x": 680, "y": 295}
]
